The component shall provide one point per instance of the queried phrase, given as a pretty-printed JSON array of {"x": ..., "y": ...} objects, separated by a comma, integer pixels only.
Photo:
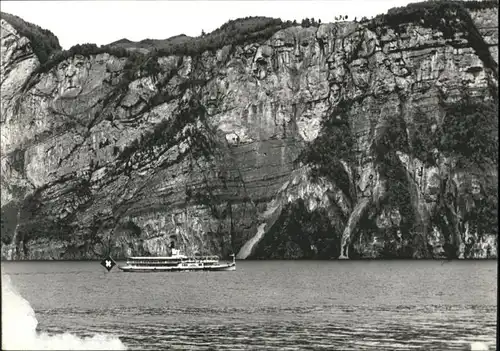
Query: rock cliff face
[{"x": 332, "y": 141}]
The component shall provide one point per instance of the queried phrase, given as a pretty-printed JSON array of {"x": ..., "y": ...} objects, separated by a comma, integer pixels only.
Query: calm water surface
[{"x": 270, "y": 305}]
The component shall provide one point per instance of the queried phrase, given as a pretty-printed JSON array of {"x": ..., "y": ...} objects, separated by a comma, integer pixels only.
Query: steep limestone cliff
[{"x": 374, "y": 139}]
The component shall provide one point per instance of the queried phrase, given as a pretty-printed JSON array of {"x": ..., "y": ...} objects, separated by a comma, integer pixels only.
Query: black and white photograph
[{"x": 269, "y": 175}]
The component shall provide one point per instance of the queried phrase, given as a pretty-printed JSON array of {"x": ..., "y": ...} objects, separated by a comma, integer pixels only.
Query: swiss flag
[{"x": 108, "y": 263}]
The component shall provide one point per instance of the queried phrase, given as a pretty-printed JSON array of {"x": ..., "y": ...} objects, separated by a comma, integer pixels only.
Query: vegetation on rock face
[
  {"x": 449, "y": 17},
  {"x": 8, "y": 220},
  {"x": 43, "y": 41},
  {"x": 31, "y": 225},
  {"x": 240, "y": 31},
  {"x": 298, "y": 233},
  {"x": 470, "y": 131},
  {"x": 423, "y": 138},
  {"x": 85, "y": 50},
  {"x": 388, "y": 244},
  {"x": 334, "y": 144},
  {"x": 479, "y": 5},
  {"x": 134, "y": 60},
  {"x": 487, "y": 211},
  {"x": 393, "y": 139},
  {"x": 17, "y": 160},
  {"x": 235, "y": 32},
  {"x": 248, "y": 29}
]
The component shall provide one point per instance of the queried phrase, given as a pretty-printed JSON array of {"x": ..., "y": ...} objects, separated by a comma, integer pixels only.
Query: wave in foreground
[{"x": 19, "y": 328}]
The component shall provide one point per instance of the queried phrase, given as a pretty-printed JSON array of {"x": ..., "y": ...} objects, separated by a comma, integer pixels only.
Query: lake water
[{"x": 268, "y": 305}]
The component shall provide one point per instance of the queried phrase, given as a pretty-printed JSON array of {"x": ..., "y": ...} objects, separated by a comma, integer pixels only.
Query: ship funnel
[{"x": 175, "y": 252}]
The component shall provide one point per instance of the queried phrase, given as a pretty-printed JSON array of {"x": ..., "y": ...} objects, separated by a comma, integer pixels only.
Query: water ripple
[{"x": 329, "y": 327}]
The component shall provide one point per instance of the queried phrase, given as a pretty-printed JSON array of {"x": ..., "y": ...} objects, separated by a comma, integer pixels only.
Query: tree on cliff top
[{"x": 43, "y": 41}]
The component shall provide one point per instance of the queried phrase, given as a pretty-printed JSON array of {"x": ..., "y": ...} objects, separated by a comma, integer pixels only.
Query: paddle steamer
[{"x": 177, "y": 262}]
